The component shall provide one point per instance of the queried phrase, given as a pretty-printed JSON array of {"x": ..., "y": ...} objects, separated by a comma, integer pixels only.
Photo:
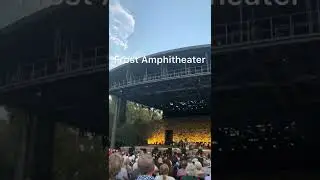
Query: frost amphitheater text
[{"x": 162, "y": 60}]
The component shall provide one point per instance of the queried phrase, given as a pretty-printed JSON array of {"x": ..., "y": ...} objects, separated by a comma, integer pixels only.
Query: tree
[
  {"x": 138, "y": 113},
  {"x": 140, "y": 124}
]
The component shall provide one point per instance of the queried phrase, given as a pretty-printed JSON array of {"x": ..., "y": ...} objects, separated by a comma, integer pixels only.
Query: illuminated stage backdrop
[{"x": 195, "y": 129}]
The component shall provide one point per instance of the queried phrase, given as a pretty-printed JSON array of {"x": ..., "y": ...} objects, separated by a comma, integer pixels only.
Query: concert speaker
[{"x": 168, "y": 137}]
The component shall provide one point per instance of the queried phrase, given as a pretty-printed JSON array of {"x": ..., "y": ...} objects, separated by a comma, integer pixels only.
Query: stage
[{"x": 193, "y": 128}]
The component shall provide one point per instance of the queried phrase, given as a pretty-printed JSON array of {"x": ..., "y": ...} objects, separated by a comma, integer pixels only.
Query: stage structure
[
  {"x": 53, "y": 68},
  {"x": 267, "y": 71},
  {"x": 271, "y": 49},
  {"x": 178, "y": 89}
]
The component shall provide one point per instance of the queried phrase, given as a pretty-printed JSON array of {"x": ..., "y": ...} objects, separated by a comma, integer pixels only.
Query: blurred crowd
[
  {"x": 262, "y": 146},
  {"x": 258, "y": 137},
  {"x": 159, "y": 165},
  {"x": 188, "y": 145}
]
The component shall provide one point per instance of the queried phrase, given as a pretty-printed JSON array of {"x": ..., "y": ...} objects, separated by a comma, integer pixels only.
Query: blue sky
[{"x": 143, "y": 27}]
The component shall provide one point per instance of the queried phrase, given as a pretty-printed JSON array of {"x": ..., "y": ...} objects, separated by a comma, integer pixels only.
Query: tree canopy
[{"x": 140, "y": 124}]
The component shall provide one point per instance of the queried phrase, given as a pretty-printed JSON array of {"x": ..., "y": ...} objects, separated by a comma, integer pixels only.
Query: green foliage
[
  {"x": 138, "y": 113},
  {"x": 141, "y": 122}
]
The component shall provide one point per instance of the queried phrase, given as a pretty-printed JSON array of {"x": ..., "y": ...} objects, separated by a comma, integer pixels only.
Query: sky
[{"x": 144, "y": 27}]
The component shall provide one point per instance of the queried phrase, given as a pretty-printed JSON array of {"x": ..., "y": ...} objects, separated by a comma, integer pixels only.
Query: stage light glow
[{"x": 193, "y": 132}]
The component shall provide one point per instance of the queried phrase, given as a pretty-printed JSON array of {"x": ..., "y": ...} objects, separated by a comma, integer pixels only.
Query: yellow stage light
[{"x": 193, "y": 132}]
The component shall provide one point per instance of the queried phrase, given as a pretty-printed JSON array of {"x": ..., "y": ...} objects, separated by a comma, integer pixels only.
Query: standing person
[
  {"x": 115, "y": 164},
  {"x": 123, "y": 174},
  {"x": 127, "y": 166},
  {"x": 164, "y": 173},
  {"x": 169, "y": 163},
  {"x": 181, "y": 144},
  {"x": 199, "y": 172},
  {"x": 135, "y": 172},
  {"x": 146, "y": 167},
  {"x": 206, "y": 168},
  {"x": 125, "y": 170},
  {"x": 191, "y": 173},
  {"x": 159, "y": 162},
  {"x": 182, "y": 171},
  {"x": 186, "y": 144}
]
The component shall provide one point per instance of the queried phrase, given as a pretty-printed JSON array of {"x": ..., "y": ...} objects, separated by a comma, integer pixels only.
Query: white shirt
[
  {"x": 207, "y": 170},
  {"x": 123, "y": 174},
  {"x": 135, "y": 166}
]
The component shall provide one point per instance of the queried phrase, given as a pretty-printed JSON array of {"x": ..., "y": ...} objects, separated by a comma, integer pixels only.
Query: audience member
[
  {"x": 146, "y": 167},
  {"x": 115, "y": 164},
  {"x": 191, "y": 172},
  {"x": 164, "y": 173},
  {"x": 160, "y": 165}
]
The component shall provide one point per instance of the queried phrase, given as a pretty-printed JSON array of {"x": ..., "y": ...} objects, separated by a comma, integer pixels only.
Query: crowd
[
  {"x": 259, "y": 137},
  {"x": 159, "y": 165},
  {"x": 262, "y": 146},
  {"x": 195, "y": 145},
  {"x": 188, "y": 145}
]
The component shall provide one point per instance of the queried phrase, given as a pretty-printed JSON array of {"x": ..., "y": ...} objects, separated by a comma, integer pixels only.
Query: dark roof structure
[
  {"x": 250, "y": 12},
  {"x": 267, "y": 77},
  {"x": 177, "y": 89},
  {"x": 32, "y": 37},
  {"x": 260, "y": 54},
  {"x": 139, "y": 70}
]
